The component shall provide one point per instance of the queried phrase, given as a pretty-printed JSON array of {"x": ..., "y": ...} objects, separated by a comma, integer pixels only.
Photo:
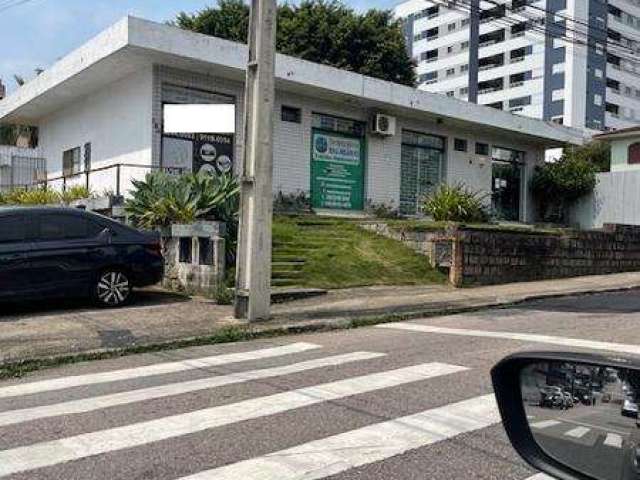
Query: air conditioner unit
[{"x": 384, "y": 125}]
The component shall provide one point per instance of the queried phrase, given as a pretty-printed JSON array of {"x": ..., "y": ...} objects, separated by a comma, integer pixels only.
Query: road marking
[
  {"x": 613, "y": 440},
  {"x": 545, "y": 424},
  {"x": 541, "y": 476},
  {"x": 577, "y": 432},
  {"x": 596, "y": 427},
  {"x": 333, "y": 455},
  {"x": 13, "y": 417},
  {"x": 524, "y": 337},
  {"x": 45, "y": 454},
  {"x": 150, "y": 370}
]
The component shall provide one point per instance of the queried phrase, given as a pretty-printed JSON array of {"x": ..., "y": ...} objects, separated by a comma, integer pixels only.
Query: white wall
[
  {"x": 614, "y": 200},
  {"x": 115, "y": 120}
]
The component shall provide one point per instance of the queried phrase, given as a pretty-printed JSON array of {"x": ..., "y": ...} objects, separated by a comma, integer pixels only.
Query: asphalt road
[{"x": 401, "y": 401}]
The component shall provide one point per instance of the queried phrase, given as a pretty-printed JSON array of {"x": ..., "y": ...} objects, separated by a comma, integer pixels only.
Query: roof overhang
[
  {"x": 133, "y": 43},
  {"x": 625, "y": 133}
]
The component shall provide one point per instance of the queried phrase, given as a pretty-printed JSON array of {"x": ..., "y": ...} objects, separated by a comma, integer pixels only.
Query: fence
[{"x": 116, "y": 179}]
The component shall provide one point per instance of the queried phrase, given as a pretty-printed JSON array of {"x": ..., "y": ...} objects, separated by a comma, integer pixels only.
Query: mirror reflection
[{"x": 585, "y": 416}]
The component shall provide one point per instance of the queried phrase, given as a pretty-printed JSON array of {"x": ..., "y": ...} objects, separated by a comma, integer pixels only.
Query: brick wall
[{"x": 482, "y": 257}]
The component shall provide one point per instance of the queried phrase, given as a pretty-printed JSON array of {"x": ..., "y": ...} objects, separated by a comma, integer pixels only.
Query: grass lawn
[{"x": 334, "y": 253}]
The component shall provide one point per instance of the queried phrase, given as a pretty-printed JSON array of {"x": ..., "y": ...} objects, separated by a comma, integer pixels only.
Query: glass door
[{"x": 506, "y": 188}]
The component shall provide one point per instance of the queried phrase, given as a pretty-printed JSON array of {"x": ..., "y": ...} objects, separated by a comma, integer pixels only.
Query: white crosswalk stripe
[
  {"x": 525, "y": 337},
  {"x": 54, "y": 452},
  {"x": 12, "y": 417},
  {"x": 545, "y": 424},
  {"x": 541, "y": 476},
  {"x": 332, "y": 455},
  {"x": 577, "y": 432},
  {"x": 613, "y": 440},
  {"x": 150, "y": 370}
]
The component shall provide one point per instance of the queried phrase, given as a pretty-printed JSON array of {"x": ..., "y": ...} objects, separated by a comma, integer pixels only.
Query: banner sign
[
  {"x": 337, "y": 171},
  {"x": 213, "y": 153}
]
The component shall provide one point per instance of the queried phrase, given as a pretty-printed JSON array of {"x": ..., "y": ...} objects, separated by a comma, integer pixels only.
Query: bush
[
  {"x": 43, "y": 196},
  {"x": 292, "y": 203},
  {"x": 77, "y": 192},
  {"x": 455, "y": 203},
  {"x": 382, "y": 210},
  {"x": 558, "y": 185}
]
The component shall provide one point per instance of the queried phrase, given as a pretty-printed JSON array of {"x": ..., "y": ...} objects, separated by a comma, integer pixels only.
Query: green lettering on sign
[{"x": 337, "y": 171}]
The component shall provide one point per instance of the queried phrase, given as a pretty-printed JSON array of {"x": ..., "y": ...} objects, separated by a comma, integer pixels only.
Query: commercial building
[
  {"x": 343, "y": 138},
  {"x": 575, "y": 62}
]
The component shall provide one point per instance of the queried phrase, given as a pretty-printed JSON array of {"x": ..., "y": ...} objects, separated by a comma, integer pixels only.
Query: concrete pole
[{"x": 253, "y": 270}]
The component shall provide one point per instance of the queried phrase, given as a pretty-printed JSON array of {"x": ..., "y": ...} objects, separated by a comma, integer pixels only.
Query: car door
[
  {"x": 14, "y": 248},
  {"x": 61, "y": 258}
]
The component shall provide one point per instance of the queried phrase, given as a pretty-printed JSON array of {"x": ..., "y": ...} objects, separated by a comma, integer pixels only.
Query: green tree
[
  {"x": 557, "y": 185},
  {"x": 596, "y": 153},
  {"x": 322, "y": 31}
]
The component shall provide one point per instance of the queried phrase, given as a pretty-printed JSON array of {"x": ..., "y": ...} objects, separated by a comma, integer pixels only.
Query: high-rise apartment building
[{"x": 575, "y": 62}]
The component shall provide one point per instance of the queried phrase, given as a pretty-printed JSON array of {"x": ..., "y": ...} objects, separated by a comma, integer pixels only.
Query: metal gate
[{"x": 21, "y": 172}]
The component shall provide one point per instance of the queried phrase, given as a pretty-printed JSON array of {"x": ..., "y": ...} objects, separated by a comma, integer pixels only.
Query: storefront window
[{"x": 421, "y": 169}]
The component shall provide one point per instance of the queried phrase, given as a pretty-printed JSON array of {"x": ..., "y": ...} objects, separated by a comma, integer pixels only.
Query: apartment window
[
  {"x": 464, "y": 91},
  {"x": 451, "y": 93},
  {"x": 460, "y": 145},
  {"x": 432, "y": 33},
  {"x": 464, "y": 22},
  {"x": 597, "y": 99},
  {"x": 71, "y": 161},
  {"x": 451, "y": 72},
  {"x": 451, "y": 27},
  {"x": 557, "y": 95},
  {"x": 464, "y": 45},
  {"x": 598, "y": 73},
  {"x": 431, "y": 55},
  {"x": 291, "y": 114},
  {"x": 450, "y": 49},
  {"x": 521, "y": 101},
  {"x": 464, "y": 68},
  {"x": 482, "y": 148},
  {"x": 557, "y": 68},
  {"x": 558, "y": 43}
]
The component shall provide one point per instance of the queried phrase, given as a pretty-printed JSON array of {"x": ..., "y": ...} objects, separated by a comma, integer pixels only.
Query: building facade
[
  {"x": 102, "y": 115},
  {"x": 575, "y": 62}
]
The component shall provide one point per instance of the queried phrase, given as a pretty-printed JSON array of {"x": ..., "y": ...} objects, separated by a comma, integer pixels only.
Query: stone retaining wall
[{"x": 490, "y": 256}]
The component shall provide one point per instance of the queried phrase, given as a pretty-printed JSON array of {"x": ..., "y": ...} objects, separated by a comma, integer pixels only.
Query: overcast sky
[{"x": 35, "y": 33}]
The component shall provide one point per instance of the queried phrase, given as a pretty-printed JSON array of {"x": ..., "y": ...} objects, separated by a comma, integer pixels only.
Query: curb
[{"x": 245, "y": 332}]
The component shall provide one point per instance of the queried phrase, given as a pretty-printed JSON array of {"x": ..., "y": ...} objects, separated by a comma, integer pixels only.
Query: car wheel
[{"x": 113, "y": 288}]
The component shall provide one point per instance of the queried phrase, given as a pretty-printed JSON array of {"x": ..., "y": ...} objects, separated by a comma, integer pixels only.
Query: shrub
[
  {"x": 455, "y": 203},
  {"x": 558, "y": 185},
  {"x": 382, "y": 210},
  {"x": 292, "y": 203},
  {"x": 43, "y": 196},
  {"x": 77, "y": 192}
]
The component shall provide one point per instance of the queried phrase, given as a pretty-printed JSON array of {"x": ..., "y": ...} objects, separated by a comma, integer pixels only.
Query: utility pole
[{"x": 253, "y": 269}]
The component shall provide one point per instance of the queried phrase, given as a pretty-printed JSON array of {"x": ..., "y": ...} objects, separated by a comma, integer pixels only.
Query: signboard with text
[{"x": 337, "y": 171}]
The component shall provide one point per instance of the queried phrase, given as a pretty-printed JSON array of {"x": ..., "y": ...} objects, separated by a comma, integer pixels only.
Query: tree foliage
[
  {"x": 322, "y": 31},
  {"x": 596, "y": 153},
  {"x": 557, "y": 185}
]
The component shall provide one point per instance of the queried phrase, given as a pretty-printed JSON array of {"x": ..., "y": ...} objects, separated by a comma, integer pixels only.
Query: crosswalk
[
  {"x": 586, "y": 435},
  {"x": 325, "y": 455}
]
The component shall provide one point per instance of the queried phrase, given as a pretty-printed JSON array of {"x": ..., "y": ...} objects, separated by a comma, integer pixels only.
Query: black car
[{"x": 51, "y": 252}]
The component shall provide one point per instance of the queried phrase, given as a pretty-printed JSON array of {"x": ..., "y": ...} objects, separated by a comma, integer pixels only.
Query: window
[
  {"x": 291, "y": 114},
  {"x": 13, "y": 229},
  {"x": 450, "y": 49},
  {"x": 451, "y": 72},
  {"x": 464, "y": 91},
  {"x": 460, "y": 145},
  {"x": 599, "y": 47},
  {"x": 451, "y": 27},
  {"x": 71, "y": 161},
  {"x": 557, "y": 95},
  {"x": 597, "y": 100},
  {"x": 558, "y": 43},
  {"x": 464, "y": 68},
  {"x": 521, "y": 101},
  {"x": 451, "y": 93},
  {"x": 557, "y": 68},
  {"x": 55, "y": 226},
  {"x": 482, "y": 148},
  {"x": 464, "y": 45},
  {"x": 634, "y": 153},
  {"x": 598, "y": 73},
  {"x": 87, "y": 156}
]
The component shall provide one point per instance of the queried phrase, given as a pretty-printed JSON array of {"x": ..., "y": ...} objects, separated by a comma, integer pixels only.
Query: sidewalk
[{"x": 162, "y": 317}]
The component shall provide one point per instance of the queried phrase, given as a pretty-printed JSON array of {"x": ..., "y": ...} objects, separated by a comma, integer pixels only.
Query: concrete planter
[{"x": 194, "y": 256}]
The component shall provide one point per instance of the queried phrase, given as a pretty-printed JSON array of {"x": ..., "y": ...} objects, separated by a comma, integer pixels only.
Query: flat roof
[
  {"x": 134, "y": 43},
  {"x": 621, "y": 133}
]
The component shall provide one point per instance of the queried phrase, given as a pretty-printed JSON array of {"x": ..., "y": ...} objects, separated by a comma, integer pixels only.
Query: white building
[
  {"x": 101, "y": 114},
  {"x": 570, "y": 61}
]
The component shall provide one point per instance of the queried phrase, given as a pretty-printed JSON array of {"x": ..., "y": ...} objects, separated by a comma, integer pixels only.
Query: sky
[{"x": 35, "y": 33}]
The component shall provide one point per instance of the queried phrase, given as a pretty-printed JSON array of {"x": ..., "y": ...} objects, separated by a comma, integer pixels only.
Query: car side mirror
[
  {"x": 105, "y": 236},
  {"x": 572, "y": 416}
]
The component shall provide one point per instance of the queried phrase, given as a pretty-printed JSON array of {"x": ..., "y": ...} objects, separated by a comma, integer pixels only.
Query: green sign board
[{"x": 337, "y": 171}]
